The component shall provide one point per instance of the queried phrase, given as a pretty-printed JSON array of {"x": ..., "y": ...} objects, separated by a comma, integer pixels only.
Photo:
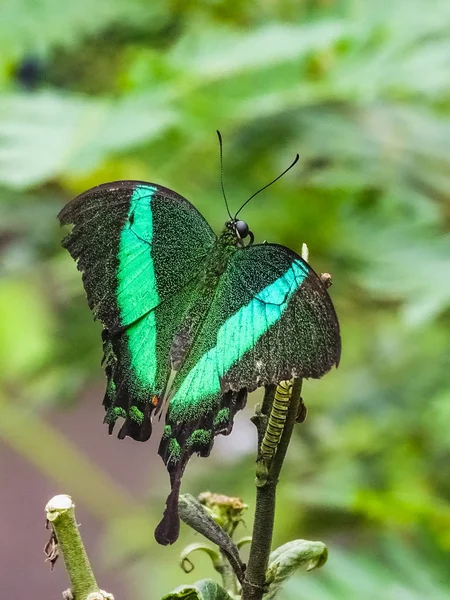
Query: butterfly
[{"x": 192, "y": 320}]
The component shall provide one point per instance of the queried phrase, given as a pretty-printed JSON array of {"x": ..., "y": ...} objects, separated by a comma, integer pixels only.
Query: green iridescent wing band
[
  {"x": 271, "y": 319},
  {"x": 139, "y": 246},
  {"x": 136, "y": 244}
]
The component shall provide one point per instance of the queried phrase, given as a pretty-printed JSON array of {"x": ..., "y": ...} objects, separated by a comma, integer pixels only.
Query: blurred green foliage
[{"x": 91, "y": 92}]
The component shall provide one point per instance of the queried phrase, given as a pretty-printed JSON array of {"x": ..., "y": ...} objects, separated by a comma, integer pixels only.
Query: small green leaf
[
  {"x": 206, "y": 589},
  {"x": 244, "y": 540},
  {"x": 196, "y": 516},
  {"x": 286, "y": 559},
  {"x": 187, "y": 565}
]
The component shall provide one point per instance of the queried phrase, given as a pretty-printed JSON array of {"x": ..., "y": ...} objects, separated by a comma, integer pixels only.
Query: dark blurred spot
[
  {"x": 93, "y": 67},
  {"x": 29, "y": 73},
  {"x": 317, "y": 163},
  {"x": 368, "y": 197}
]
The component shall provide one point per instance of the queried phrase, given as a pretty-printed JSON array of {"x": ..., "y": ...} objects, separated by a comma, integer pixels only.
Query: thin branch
[
  {"x": 61, "y": 516},
  {"x": 255, "y": 576}
]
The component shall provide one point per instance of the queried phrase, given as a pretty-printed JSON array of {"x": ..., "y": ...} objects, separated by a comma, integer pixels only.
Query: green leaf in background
[
  {"x": 389, "y": 571},
  {"x": 79, "y": 132},
  {"x": 206, "y": 589},
  {"x": 288, "y": 558},
  {"x": 26, "y": 328},
  {"x": 64, "y": 24}
]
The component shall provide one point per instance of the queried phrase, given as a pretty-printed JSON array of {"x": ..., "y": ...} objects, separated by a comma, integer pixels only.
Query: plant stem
[
  {"x": 61, "y": 514},
  {"x": 255, "y": 576}
]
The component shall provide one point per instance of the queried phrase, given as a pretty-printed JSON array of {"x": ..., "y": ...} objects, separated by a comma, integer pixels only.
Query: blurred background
[{"x": 131, "y": 89}]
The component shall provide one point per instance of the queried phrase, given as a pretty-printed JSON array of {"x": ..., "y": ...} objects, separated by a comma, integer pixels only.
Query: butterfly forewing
[{"x": 140, "y": 248}]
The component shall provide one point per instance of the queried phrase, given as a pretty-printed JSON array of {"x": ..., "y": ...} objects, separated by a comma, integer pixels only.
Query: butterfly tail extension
[
  {"x": 183, "y": 439},
  {"x": 168, "y": 529}
]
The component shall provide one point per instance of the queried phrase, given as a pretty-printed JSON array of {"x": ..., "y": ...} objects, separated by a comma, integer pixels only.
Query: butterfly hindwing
[{"x": 271, "y": 319}]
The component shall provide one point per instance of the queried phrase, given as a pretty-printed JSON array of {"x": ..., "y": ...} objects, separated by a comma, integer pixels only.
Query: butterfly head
[
  {"x": 240, "y": 230},
  {"x": 235, "y": 229}
]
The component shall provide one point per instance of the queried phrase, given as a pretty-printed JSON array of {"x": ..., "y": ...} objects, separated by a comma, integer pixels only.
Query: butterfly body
[{"x": 212, "y": 316}]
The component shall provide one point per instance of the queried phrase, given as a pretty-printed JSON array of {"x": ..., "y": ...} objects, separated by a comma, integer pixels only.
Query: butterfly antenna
[
  {"x": 269, "y": 184},
  {"x": 221, "y": 172}
]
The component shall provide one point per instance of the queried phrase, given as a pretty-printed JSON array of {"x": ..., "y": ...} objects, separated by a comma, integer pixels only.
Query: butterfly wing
[
  {"x": 296, "y": 330},
  {"x": 140, "y": 248},
  {"x": 271, "y": 319}
]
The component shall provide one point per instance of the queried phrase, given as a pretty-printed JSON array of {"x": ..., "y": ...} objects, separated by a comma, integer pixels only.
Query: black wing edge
[{"x": 67, "y": 213}]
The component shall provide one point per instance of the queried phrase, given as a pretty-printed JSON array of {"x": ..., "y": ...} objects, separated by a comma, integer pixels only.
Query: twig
[
  {"x": 255, "y": 576},
  {"x": 61, "y": 515}
]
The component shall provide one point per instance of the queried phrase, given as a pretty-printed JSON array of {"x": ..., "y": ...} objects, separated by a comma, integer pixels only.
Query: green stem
[
  {"x": 255, "y": 576},
  {"x": 61, "y": 514}
]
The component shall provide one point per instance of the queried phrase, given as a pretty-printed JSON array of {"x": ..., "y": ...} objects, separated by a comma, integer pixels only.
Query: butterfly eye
[{"x": 242, "y": 229}]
